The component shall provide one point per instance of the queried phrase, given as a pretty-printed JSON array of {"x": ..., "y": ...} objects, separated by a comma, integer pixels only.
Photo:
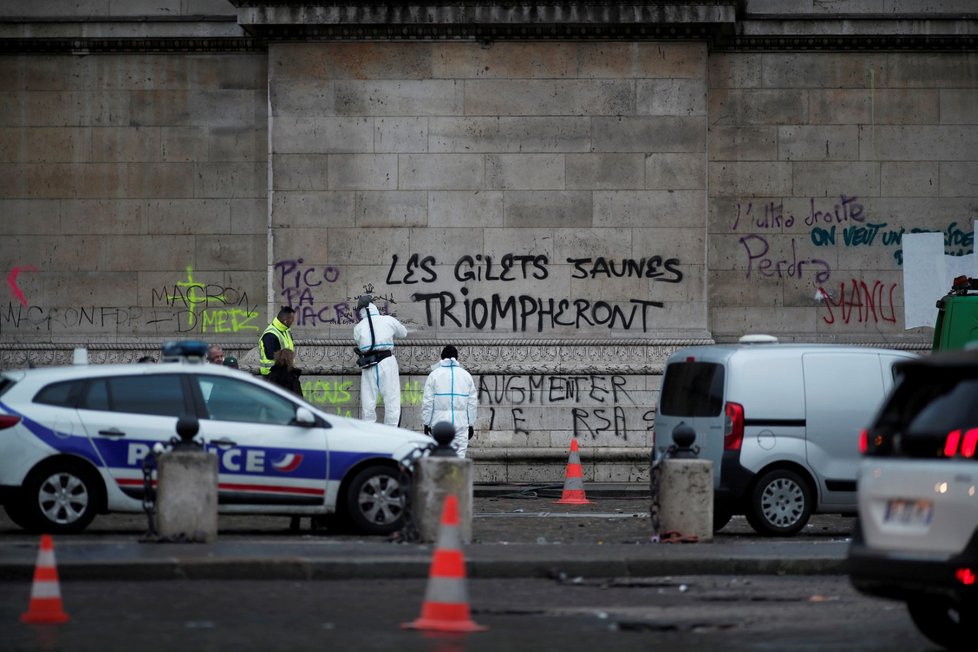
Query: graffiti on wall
[
  {"x": 844, "y": 223},
  {"x": 298, "y": 284},
  {"x": 595, "y": 403},
  {"x": 206, "y": 307},
  {"x": 525, "y": 312},
  {"x": 188, "y": 305},
  {"x": 338, "y": 396},
  {"x": 859, "y": 301},
  {"x": 303, "y": 287},
  {"x": 957, "y": 242},
  {"x": 12, "y": 282}
]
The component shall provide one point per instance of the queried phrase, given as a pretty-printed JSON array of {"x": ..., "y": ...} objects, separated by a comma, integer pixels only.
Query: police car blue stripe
[{"x": 61, "y": 441}]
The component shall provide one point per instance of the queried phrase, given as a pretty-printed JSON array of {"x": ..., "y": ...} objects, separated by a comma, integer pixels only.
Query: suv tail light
[
  {"x": 8, "y": 421},
  {"x": 966, "y": 445},
  {"x": 863, "y": 441},
  {"x": 733, "y": 426}
]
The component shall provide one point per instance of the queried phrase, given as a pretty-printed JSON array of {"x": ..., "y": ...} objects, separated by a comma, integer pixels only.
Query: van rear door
[
  {"x": 692, "y": 393},
  {"x": 843, "y": 391}
]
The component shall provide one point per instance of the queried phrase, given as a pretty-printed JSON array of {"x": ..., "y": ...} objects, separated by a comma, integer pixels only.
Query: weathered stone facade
[{"x": 567, "y": 191}]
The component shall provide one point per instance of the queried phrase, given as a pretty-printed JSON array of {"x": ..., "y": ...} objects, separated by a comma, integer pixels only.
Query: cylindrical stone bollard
[
  {"x": 686, "y": 498},
  {"x": 186, "y": 495},
  {"x": 434, "y": 479}
]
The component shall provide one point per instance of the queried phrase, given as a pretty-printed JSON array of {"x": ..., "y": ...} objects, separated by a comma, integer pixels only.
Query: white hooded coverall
[
  {"x": 384, "y": 377},
  {"x": 450, "y": 395}
]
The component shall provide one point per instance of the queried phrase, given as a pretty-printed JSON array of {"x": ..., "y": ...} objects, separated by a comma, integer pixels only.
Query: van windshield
[{"x": 692, "y": 389}]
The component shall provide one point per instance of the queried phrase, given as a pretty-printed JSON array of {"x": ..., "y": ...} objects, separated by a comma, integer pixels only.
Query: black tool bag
[{"x": 367, "y": 359}]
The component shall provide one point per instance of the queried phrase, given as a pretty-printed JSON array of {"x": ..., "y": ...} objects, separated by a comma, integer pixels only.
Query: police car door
[
  {"x": 266, "y": 459},
  {"x": 124, "y": 416}
]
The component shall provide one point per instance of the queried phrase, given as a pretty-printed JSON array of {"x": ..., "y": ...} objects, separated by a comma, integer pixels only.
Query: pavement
[{"x": 518, "y": 532}]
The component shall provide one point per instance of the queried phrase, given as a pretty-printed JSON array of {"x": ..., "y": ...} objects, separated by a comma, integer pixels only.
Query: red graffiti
[
  {"x": 860, "y": 302},
  {"x": 12, "y": 282}
]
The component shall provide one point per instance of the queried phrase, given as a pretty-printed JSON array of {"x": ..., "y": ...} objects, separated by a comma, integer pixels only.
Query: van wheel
[
  {"x": 941, "y": 621},
  {"x": 781, "y": 503},
  {"x": 375, "y": 501}
]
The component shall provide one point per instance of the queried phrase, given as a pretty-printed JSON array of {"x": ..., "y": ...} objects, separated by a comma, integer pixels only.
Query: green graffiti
[
  {"x": 412, "y": 393},
  {"x": 199, "y": 298},
  {"x": 338, "y": 393},
  {"x": 196, "y": 293},
  {"x": 228, "y": 321},
  {"x": 324, "y": 392}
]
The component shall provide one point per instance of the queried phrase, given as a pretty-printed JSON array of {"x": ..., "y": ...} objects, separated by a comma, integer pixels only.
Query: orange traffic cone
[
  {"x": 446, "y": 600},
  {"x": 574, "y": 480},
  {"x": 45, "y": 605}
]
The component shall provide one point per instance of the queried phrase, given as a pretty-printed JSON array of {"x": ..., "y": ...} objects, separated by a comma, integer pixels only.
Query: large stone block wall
[
  {"x": 504, "y": 189},
  {"x": 133, "y": 195},
  {"x": 819, "y": 162}
]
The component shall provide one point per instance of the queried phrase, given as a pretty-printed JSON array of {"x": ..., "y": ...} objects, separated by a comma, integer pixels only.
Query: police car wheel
[
  {"x": 374, "y": 500},
  {"x": 780, "y": 503},
  {"x": 62, "y": 497}
]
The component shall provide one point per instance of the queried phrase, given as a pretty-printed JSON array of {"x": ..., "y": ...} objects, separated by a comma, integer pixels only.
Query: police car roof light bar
[{"x": 189, "y": 350}]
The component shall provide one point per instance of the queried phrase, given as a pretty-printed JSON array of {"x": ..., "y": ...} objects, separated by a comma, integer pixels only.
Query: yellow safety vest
[{"x": 281, "y": 331}]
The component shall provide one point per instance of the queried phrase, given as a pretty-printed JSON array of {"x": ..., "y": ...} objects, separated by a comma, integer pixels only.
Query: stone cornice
[{"x": 722, "y": 24}]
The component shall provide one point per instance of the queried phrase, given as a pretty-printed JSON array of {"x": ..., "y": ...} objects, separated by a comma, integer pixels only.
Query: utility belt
[{"x": 368, "y": 359}]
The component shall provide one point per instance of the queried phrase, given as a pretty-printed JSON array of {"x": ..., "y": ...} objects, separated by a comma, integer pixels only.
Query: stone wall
[
  {"x": 133, "y": 193},
  {"x": 819, "y": 162}
]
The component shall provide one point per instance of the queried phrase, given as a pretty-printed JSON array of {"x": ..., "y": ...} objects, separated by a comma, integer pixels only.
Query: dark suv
[{"x": 917, "y": 535}]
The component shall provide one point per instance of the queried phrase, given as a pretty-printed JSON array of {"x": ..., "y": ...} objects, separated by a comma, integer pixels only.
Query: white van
[{"x": 780, "y": 422}]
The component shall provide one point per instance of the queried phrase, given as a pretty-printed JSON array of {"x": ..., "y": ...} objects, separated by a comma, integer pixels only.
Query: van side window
[{"x": 693, "y": 389}]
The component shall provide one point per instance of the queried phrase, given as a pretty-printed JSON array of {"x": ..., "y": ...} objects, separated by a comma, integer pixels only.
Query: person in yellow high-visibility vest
[{"x": 276, "y": 336}]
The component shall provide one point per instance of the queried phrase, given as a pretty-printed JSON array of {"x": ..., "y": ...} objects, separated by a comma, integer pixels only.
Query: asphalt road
[{"x": 660, "y": 614}]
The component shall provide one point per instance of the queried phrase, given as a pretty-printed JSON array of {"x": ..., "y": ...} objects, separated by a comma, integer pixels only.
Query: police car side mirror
[{"x": 304, "y": 417}]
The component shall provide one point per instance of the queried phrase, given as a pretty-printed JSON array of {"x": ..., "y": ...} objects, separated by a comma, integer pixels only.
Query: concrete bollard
[
  {"x": 186, "y": 489},
  {"x": 686, "y": 498},
  {"x": 186, "y": 496},
  {"x": 436, "y": 477}
]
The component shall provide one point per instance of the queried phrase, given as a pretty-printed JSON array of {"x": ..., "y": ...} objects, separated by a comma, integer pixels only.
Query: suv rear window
[
  {"x": 923, "y": 409},
  {"x": 692, "y": 389}
]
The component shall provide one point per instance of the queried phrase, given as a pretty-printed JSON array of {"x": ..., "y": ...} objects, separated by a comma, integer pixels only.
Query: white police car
[{"x": 73, "y": 440}]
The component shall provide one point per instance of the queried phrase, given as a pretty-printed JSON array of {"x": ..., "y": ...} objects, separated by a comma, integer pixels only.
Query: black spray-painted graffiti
[
  {"x": 597, "y": 403},
  {"x": 15, "y": 316},
  {"x": 523, "y": 312}
]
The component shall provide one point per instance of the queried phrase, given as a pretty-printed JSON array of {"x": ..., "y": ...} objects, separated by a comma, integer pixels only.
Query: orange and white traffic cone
[
  {"x": 446, "y": 600},
  {"x": 45, "y": 606},
  {"x": 574, "y": 480}
]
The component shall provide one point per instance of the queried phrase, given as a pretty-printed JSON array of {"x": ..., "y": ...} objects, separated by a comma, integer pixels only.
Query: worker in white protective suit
[
  {"x": 379, "y": 375},
  {"x": 450, "y": 395}
]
